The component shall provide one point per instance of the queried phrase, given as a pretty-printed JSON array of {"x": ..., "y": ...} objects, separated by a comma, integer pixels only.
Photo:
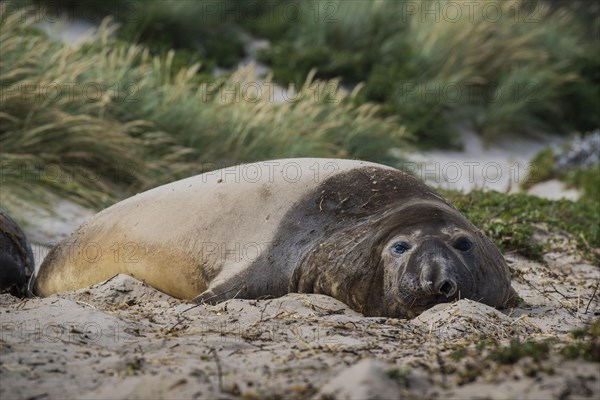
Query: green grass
[
  {"x": 500, "y": 76},
  {"x": 541, "y": 168},
  {"x": 586, "y": 343},
  {"x": 517, "y": 350},
  {"x": 204, "y": 27},
  {"x": 586, "y": 180},
  {"x": 503, "y": 68},
  {"x": 58, "y": 129},
  {"x": 131, "y": 120},
  {"x": 511, "y": 220},
  {"x": 201, "y": 30},
  {"x": 399, "y": 375}
]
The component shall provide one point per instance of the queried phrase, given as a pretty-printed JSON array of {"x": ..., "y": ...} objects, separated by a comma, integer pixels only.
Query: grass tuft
[
  {"x": 518, "y": 71},
  {"x": 586, "y": 343},
  {"x": 99, "y": 121},
  {"x": 517, "y": 350},
  {"x": 511, "y": 220}
]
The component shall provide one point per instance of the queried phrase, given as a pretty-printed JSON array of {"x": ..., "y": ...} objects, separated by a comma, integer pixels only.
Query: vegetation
[
  {"x": 198, "y": 30},
  {"x": 102, "y": 120},
  {"x": 511, "y": 220},
  {"x": 400, "y": 375},
  {"x": 541, "y": 168},
  {"x": 56, "y": 140},
  {"x": 534, "y": 356},
  {"x": 517, "y": 350},
  {"x": 500, "y": 67},
  {"x": 516, "y": 72},
  {"x": 530, "y": 357},
  {"x": 586, "y": 343},
  {"x": 204, "y": 28},
  {"x": 584, "y": 179}
]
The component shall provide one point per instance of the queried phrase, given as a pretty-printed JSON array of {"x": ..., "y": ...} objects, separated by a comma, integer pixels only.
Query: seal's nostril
[{"x": 447, "y": 288}]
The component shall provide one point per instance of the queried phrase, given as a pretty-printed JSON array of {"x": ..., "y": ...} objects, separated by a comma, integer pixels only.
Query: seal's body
[
  {"x": 16, "y": 257},
  {"x": 369, "y": 235}
]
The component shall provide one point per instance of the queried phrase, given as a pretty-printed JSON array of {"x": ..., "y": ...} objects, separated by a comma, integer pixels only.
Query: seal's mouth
[
  {"x": 425, "y": 303},
  {"x": 433, "y": 300}
]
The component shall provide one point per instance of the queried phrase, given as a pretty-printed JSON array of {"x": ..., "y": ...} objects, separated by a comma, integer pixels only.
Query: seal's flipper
[
  {"x": 224, "y": 287},
  {"x": 217, "y": 295}
]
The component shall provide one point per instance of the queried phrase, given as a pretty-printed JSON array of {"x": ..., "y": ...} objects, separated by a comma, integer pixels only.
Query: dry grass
[
  {"x": 99, "y": 121},
  {"x": 521, "y": 61},
  {"x": 58, "y": 141},
  {"x": 500, "y": 66}
]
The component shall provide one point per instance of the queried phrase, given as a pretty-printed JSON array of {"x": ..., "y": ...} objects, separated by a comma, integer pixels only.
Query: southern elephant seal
[
  {"x": 369, "y": 235},
  {"x": 16, "y": 257}
]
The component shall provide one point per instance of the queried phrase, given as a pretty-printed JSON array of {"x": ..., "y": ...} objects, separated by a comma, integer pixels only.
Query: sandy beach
[{"x": 124, "y": 340}]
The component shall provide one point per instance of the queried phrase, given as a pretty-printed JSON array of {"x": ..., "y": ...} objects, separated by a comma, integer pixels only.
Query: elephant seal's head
[
  {"x": 435, "y": 255},
  {"x": 405, "y": 260}
]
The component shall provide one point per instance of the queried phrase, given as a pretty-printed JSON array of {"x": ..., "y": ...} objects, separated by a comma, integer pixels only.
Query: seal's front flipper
[
  {"x": 206, "y": 297},
  {"x": 231, "y": 283},
  {"x": 219, "y": 293}
]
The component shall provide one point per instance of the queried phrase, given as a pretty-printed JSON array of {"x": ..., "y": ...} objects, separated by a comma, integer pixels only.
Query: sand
[
  {"x": 122, "y": 339},
  {"x": 502, "y": 165}
]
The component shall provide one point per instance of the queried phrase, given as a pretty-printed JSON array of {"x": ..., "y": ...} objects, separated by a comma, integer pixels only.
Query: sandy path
[{"x": 501, "y": 166}]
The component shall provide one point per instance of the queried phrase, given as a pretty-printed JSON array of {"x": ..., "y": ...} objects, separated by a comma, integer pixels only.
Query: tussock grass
[
  {"x": 518, "y": 69},
  {"x": 100, "y": 121},
  {"x": 322, "y": 122},
  {"x": 58, "y": 141},
  {"x": 503, "y": 67},
  {"x": 202, "y": 27},
  {"x": 199, "y": 30},
  {"x": 522, "y": 66},
  {"x": 511, "y": 221}
]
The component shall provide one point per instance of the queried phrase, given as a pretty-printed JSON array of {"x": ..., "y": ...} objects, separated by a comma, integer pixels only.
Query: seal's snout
[
  {"x": 438, "y": 282},
  {"x": 438, "y": 273},
  {"x": 448, "y": 288}
]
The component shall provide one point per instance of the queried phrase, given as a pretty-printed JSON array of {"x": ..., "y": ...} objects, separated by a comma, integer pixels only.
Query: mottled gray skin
[
  {"x": 16, "y": 257},
  {"x": 214, "y": 237}
]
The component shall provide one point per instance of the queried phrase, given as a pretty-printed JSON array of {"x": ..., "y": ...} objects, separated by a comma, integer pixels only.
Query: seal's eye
[
  {"x": 400, "y": 248},
  {"x": 463, "y": 243}
]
